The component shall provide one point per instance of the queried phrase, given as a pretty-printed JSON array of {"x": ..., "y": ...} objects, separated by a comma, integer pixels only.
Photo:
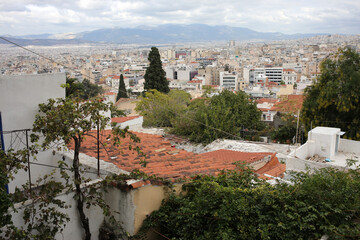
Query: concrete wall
[
  {"x": 134, "y": 206},
  {"x": 349, "y": 146},
  {"x": 73, "y": 229},
  {"x": 19, "y": 100},
  {"x": 133, "y": 124},
  {"x": 128, "y": 106},
  {"x": 306, "y": 150},
  {"x": 297, "y": 164},
  {"x": 324, "y": 144},
  {"x": 148, "y": 199}
]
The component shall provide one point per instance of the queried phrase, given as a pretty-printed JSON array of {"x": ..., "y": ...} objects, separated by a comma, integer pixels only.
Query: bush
[{"x": 236, "y": 205}]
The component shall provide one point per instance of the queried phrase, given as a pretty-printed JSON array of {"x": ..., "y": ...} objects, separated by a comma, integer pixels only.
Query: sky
[{"x": 27, "y": 17}]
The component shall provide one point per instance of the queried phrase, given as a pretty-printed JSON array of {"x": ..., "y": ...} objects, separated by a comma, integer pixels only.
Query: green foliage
[
  {"x": 122, "y": 89},
  {"x": 159, "y": 109},
  {"x": 63, "y": 120},
  {"x": 207, "y": 91},
  {"x": 42, "y": 217},
  {"x": 5, "y": 199},
  {"x": 84, "y": 90},
  {"x": 222, "y": 116},
  {"x": 287, "y": 132},
  {"x": 11, "y": 162},
  {"x": 155, "y": 74},
  {"x": 333, "y": 100},
  {"x": 236, "y": 205},
  {"x": 111, "y": 230}
]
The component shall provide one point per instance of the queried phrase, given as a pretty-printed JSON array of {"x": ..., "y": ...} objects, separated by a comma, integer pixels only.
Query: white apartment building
[
  {"x": 289, "y": 76},
  {"x": 257, "y": 75},
  {"x": 229, "y": 80},
  {"x": 274, "y": 74}
]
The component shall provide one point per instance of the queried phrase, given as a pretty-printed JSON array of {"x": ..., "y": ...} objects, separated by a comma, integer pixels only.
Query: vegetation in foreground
[{"x": 238, "y": 205}]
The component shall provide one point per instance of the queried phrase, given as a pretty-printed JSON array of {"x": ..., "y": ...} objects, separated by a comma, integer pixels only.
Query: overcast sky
[{"x": 23, "y": 17}]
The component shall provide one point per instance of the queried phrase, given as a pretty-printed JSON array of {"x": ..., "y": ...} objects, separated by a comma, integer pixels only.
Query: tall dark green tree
[
  {"x": 122, "y": 90},
  {"x": 333, "y": 100},
  {"x": 155, "y": 74}
]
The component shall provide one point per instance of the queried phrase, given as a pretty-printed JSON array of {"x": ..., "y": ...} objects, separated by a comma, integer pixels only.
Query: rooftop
[
  {"x": 164, "y": 160},
  {"x": 123, "y": 119},
  {"x": 290, "y": 104}
]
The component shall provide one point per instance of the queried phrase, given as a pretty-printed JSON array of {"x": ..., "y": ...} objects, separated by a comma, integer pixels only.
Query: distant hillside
[
  {"x": 42, "y": 42},
  {"x": 168, "y": 33}
]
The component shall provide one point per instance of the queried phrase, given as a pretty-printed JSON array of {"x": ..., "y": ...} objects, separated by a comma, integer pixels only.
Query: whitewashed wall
[
  {"x": 133, "y": 124},
  {"x": 19, "y": 100},
  {"x": 73, "y": 228}
]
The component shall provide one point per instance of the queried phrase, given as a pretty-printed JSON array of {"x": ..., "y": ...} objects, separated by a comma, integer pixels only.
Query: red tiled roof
[
  {"x": 195, "y": 81},
  {"x": 116, "y": 77},
  {"x": 289, "y": 70},
  {"x": 291, "y": 104},
  {"x": 273, "y": 168},
  {"x": 272, "y": 84},
  {"x": 123, "y": 119},
  {"x": 110, "y": 93},
  {"x": 235, "y": 156},
  {"x": 165, "y": 161},
  {"x": 269, "y": 100}
]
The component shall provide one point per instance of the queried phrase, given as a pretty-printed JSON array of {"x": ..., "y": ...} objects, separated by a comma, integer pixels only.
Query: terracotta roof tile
[
  {"x": 160, "y": 163},
  {"x": 268, "y": 100},
  {"x": 291, "y": 104},
  {"x": 123, "y": 119}
]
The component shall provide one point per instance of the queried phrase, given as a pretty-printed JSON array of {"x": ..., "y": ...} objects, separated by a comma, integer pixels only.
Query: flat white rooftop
[{"x": 326, "y": 130}]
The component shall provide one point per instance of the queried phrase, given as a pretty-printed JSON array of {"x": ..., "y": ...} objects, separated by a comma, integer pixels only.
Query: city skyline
[{"x": 20, "y": 17}]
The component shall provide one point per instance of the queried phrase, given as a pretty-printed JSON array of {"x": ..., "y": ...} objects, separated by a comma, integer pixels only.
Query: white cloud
[{"x": 55, "y": 16}]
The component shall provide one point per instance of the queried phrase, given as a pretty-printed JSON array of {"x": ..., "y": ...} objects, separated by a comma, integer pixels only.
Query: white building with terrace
[{"x": 324, "y": 148}]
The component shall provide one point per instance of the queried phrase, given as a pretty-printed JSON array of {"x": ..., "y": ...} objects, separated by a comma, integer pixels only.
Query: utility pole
[{"x": 297, "y": 127}]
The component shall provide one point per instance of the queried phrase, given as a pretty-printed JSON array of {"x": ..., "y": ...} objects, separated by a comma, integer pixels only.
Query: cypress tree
[
  {"x": 155, "y": 74},
  {"x": 122, "y": 90}
]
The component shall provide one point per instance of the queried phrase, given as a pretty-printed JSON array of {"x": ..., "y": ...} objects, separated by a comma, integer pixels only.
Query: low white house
[{"x": 324, "y": 148}]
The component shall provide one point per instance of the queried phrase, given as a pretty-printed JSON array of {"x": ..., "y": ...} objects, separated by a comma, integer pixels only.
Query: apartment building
[{"x": 229, "y": 80}]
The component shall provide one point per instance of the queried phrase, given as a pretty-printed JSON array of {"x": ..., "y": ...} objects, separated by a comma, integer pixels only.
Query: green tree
[
  {"x": 222, "y": 116},
  {"x": 42, "y": 218},
  {"x": 333, "y": 100},
  {"x": 11, "y": 162},
  {"x": 84, "y": 90},
  {"x": 238, "y": 205},
  {"x": 122, "y": 89},
  {"x": 62, "y": 121},
  {"x": 160, "y": 109},
  {"x": 155, "y": 77},
  {"x": 286, "y": 132}
]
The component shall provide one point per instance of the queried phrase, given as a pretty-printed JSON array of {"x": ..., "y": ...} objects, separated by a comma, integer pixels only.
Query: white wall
[
  {"x": 297, "y": 164},
  {"x": 324, "y": 141},
  {"x": 133, "y": 124},
  {"x": 73, "y": 228},
  {"x": 349, "y": 146},
  {"x": 19, "y": 100}
]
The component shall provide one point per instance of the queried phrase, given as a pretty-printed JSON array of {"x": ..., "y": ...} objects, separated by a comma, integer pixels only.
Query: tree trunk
[{"x": 79, "y": 194}]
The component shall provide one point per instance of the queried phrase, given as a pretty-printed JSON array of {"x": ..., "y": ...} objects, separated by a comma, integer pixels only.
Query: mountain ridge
[{"x": 166, "y": 33}]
